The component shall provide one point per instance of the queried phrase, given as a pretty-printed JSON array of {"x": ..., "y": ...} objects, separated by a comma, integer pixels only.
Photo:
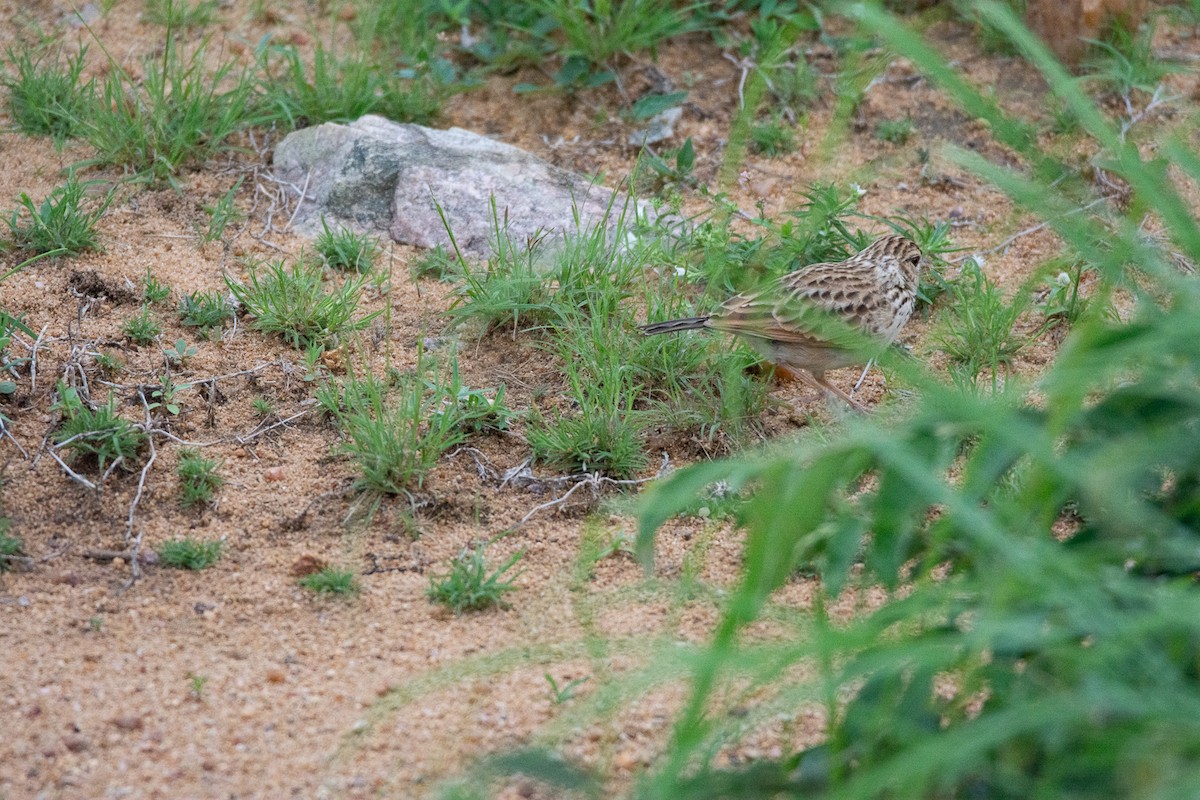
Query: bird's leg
[
  {"x": 819, "y": 379},
  {"x": 862, "y": 377}
]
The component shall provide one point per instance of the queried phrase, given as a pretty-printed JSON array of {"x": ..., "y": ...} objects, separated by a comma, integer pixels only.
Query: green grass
[
  {"x": 337, "y": 88},
  {"x": 179, "y": 114},
  {"x": 153, "y": 290},
  {"x": 63, "y": 221},
  {"x": 263, "y": 407},
  {"x": 468, "y": 586},
  {"x": 896, "y": 131},
  {"x": 199, "y": 478},
  {"x": 142, "y": 329},
  {"x": 177, "y": 14},
  {"x": 977, "y": 327},
  {"x": 298, "y": 304},
  {"x": 436, "y": 263},
  {"x": 96, "y": 434},
  {"x": 204, "y": 310},
  {"x": 46, "y": 94},
  {"x": 345, "y": 250},
  {"x": 332, "y": 580},
  {"x": 773, "y": 138},
  {"x": 189, "y": 553},
  {"x": 9, "y": 545},
  {"x": 221, "y": 215}
]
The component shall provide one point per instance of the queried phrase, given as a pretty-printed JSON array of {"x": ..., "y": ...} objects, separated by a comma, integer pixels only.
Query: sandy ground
[{"x": 385, "y": 693}]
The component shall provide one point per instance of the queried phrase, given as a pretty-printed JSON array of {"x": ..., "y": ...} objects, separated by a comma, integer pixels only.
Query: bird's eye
[{"x": 914, "y": 259}]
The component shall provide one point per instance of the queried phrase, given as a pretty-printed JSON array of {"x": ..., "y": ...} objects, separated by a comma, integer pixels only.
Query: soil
[{"x": 236, "y": 682}]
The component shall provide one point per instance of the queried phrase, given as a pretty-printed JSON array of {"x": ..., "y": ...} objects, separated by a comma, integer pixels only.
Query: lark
[{"x": 787, "y": 322}]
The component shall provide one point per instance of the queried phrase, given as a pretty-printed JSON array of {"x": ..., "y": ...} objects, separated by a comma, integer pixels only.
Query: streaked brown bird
[{"x": 787, "y": 322}]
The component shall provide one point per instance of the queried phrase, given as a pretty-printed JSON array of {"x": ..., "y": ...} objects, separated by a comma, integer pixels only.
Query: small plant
[
  {"x": 560, "y": 695},
  {"x": 896, "y": 131},
  {"x": 109, "y": 363},
  {"x": 468, "y": 586},
  {"x": 470, "y": 410},
  {"x": 10, "y": 546},
  {"x": 163, "y": 396},
  {"x": 262, "y": 407},
  {"x": 773, "y": 138},
  {"x": 193, "y": 554},
  {"x": 298, "y": 305},
  {"x": 45, "y": 97},
  {"x": 198, "y": 478},
  {"x": 142, "y": 329},
  {"x": 60, "y": 223},
  {"x": 221, "y": 215},
  {"x": 437, "y": 263},
  {"x": 345, "y": 250},
  {"x": 153, "y": 290},
  {"x": 196, "y": 685},
  {"x": 1126, "y": 63},
  {"x": 180, "y": 353},
  {"x": 332, "y": 580},
  {"x": 204, "y": 310},
  {"x": 671, "y": 169},
  {"x": 177, "y": 14},
  {"x": 96, "y": 433},
  {"x": 95, "y": 624},
  {"x": 977, "y": 328}
]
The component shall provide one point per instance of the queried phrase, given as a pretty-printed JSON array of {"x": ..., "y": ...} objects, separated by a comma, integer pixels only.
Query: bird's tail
[{"x": 673, "y": 325}]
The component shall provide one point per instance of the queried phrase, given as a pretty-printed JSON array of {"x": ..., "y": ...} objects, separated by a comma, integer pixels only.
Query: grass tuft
[
  {"x": 189, "y": 553},
  {"x": 60, "y": 222},
  {"x": 468, "y": 586},
  {"x": 332, "y": 580},
  {"x": 198, "y": 478}
]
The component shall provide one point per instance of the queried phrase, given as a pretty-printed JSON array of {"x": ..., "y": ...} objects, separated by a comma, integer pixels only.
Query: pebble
[{"x": 274, "y": 474}]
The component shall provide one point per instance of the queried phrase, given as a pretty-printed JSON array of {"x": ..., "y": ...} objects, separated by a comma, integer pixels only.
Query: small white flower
[
  {"x": 680, "y": 272},
  {"x": 1063, "y": 279},
  {"x": 858, "y": 190}
]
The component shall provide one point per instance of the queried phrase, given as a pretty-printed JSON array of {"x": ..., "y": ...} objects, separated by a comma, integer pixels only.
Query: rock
[
  {"x": 384, "y": 177},
  {"x": 87, "y": 15},
  {"x": 1066, "y": 25},
  {"x": 307, "y": 565},
  {"x": 659, "y": 128}
]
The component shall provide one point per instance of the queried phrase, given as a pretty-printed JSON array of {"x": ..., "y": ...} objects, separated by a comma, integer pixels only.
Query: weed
[
  {"x": 560, "y": 695},
  {"x": 1063, "y": 304},
  {"x": 773, "y": 138},
  {"x": 10, "y": 546},
  {"x": 468, "y": 586},
  {"x": 332, "y": 580},
  {"x": 196, "y": 684},
  {"x": 976, "y": 328},
  {"x": 221, "y": 215},
  {"x": 96, "y": 433},
  {"x": 188, "y": 553},
  {"x": 109, "y": 363},
  {"x": 142, "y": 329},
  {"x": 153, "y": 290},
  {"x": 204, "y": 310},
  {"x": 345, "y": 250},
  {"x": 673, "y": 168},
  {"x": 198, "y": 478},
  {"x": 896, "y": 131},
  {"x": 96, "y": 624},
  {"x": 340, "y": 89},
  {"x": 47, "y": 98},
  {"x": 297, "y": 304},
  {"x": 437, "y": 263},
  {"x": 179, "y": 14},
  {"x": 395, "y": 437},
  {"x": 175, "y": 115},
  {"x": 163, "y": 396},
  {"x": 180, "y": 353},
  {"x": 1126, "y": 63},
  {"x": 262, "y": 407},
  {"x": 60, "y": 223}
]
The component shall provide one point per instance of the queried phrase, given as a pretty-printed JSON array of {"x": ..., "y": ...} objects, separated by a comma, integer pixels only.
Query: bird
[{"x": 872, "y": 294}]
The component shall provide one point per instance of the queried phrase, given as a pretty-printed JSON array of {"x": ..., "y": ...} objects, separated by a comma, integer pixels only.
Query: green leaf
[
  {"x": 685, "y": 159},
  {"x": 653, "y": 104}
]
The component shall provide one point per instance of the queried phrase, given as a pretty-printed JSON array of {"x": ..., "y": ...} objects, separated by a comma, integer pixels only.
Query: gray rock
[
  {"x": 384, "y": 177},
  {"x": 659, "y": 128},
  {"x": 82, "y": 17}
]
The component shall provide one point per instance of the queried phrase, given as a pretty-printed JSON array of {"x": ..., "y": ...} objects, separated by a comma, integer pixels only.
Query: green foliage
[
  {"x": 96, "y": 433},
  {"x": 977, "y": 327},
  {"x": 60, "y": 223},
  {"x": 153, "y": 290},
  {"x": 142, "y": 329},
  {"x": 773, "y": 138},
  {"x": 1126, "y": 63},
  {"x": 436, "y": 263},
  {"x": 896, "y": 131},
  {"x": 189, "y": 553},
  {"x": 1063, "y": 303},
  {"x": 10, "y": 546},
  {"x": 163, "y": 397},
  {"x": 180, "y": 352},
  {"x": 345, "y": 250},
  {"x": 468, "y": 586},
  {"x": 204, "y": 310},
  {"x": 199, "y": 478},
  {"x": 221, "y": 215},
  {"x": 340, "y": 89},
  {"x": 175, "y": 14},
  {"x": 332, "y": 580},
  {"x": 297, "y": 303},
  {"x": 396, "y": 437},
  {"x": 178, "y": 114},
  {"x": 263, "y": 407},
  {"x": 45, "y": 96}
]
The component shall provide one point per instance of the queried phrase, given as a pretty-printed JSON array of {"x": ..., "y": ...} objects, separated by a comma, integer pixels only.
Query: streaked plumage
[{"x": 874, "y": 292}]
